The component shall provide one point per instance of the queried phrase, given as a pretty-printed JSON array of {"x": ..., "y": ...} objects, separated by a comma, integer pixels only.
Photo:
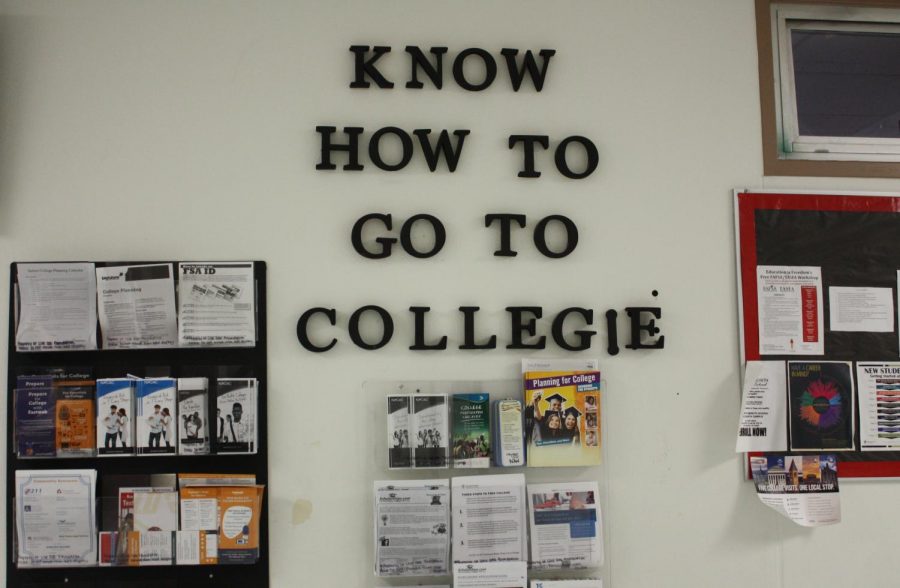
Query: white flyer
[
  {"x": 803, "y": 488},
  {"x": 791, "y": 316},
  {"x": 489, "y": 518},
  {"x": 57, "y": 307},
  {"x": 878, "y": 387},
  {"x": 136, "y": 305},
  {"x": 763, "y": 408},
  {"x": 567, "y": 584},
  {"x": 412, "y": 528},
  {"x": 216, "y": 304},
  {"x": 869, "y": 310},
  {"x": 565, "y": 525},
  {"x": 56, "y": 518},
  {"x": 500, "y": 574}
]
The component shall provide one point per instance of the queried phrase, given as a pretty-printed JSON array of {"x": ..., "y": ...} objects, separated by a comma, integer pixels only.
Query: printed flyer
[
  {"x": 821, "y": 405},
  {"x": 803, "y": 488},
  {"x": 879, "y": 405},
  {"x": 791, "y": 317}
]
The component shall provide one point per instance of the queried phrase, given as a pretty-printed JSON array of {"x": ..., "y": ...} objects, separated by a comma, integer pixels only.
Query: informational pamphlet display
[
  {"x": 432, "y": 432},
  {"x": 56, "y": 307},
  {"x": 412, "y": 528},
  {"x": 216, "y": 304},
  {"x": 56, "y": 518},
  {"x": 489, "y": 518},
  {"x": 565, "y": 525},
  {"x": 471, "y": 422},
  {"x": 501, "y": 574},
  {"x": 399, "y": 418},
  {"x": 136, "y": 306}
]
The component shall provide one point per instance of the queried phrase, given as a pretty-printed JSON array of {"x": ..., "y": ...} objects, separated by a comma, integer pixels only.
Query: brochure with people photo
[
  {"x": 235, "y": 418},
  {"x": 156, "y": 425},
  {"x": 562, "y": 412}
]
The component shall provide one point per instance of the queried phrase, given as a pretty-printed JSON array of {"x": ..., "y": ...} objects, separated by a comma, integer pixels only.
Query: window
[{"x": 831, "y": 88}]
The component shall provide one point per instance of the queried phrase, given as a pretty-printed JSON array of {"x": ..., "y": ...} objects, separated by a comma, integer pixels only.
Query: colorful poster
[
  {"x": 821, "y": 405},
  {"x": 803, "y": 488}
]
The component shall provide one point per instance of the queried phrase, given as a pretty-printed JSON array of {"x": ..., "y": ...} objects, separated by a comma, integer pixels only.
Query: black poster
[{"x": 821, "y": 404}]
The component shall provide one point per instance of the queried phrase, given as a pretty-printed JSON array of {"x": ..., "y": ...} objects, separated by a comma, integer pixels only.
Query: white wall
[{"x": 185, "y": 130}]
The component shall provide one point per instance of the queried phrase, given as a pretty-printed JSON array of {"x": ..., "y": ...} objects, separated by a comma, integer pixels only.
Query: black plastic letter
[
  {"x": 528, "y": 142},
  {"x": 434, "y": 72},
  {"x": 352, "y": 148},
  {"x": 590, "y": 150},
  {"x": 433, "y": 155},
  {"x": 635, "y": 314},
  {"x": 386, "y": 321},
  {"x": 520, "y": 324},
  {"x": 505, "y": 231},
  {"x": 612, "y": 332},
  {"x": 584, "y": 337},
  {"x": 366, "y": 67},
  {"x": 540, "y": 236},
  {"x": 490, "y": 69},
  {"x": 469, "y": 330},
  {"x": 406, "y": 145},
  {"x": 437, "y": 227},
  {"x": 420, "y": 344},
  {"x": 516, "y": 75},
  {"x": 303, "y": 334},
  {"x": 385, "y": 242}
]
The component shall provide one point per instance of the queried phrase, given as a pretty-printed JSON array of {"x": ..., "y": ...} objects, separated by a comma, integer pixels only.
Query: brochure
[
  {"x": 154, "y": 509},
  {"x": 821, "y": 405},
  {"x": 489, "y": 518},
  {"x": 193, "y": 421},
  {"x": 156, "y": 425},
  {"x": 57, "y": 307},
  {"x": 471, "y": 414},
  {"x": 35, "y": 425},
  {"x": 567, "y": 584},
  {"x": 509, "y": 450},
  {"x": 236, "y": 406},
  {"x": 51, "y": 504},
  {"x": 216, "y": 304},
  {"x": 565, "y": 525},
  {"x": 803, "y": 488},
  {"x": 239, "y": 511},
  {"x": 432, "y": 431},
  {"x": 412, "y": 528},
  {"x": 75, "y": 420},
  {"x": 136, "y": 306},
  {"x": 398, "y": 417},
  {"x": 502, "y": 574},
  {"x": 562, "y": 412},
  {"x": 115, "y": 409}
]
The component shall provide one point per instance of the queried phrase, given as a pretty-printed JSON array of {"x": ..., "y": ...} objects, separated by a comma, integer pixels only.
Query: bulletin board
[
  {"x": 855, "y": 240},
  {"x": 209, "y": 362}
]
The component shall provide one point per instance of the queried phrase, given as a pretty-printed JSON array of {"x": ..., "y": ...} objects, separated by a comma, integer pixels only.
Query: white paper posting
[
  {"x": 803, "y": 488},
  {"x": 869, "y": 310},
  {"x": 55, "y": 518},
  {"x": 878, "y": 386},
  {"x": 489, "y": 518},
  {"x": 412, "y": 528},
  {"x": 791, "y": 319},
  {"x": 567, "y": 584},
  {"x": 136, "y": 305},
  {"x": 763, "y": 408},
  {"x": 57, "y": 307},
  {"x": 216, "y": 304},
  {"x": 502, "y": 574},
  {"x": 565, "y": 525}
]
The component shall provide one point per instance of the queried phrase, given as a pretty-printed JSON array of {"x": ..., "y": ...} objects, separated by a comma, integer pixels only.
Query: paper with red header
[{"x": 791, "y": 317}]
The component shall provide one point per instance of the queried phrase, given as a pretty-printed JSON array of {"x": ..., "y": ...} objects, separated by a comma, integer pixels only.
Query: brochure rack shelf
[{"x": 210, "y": 362}]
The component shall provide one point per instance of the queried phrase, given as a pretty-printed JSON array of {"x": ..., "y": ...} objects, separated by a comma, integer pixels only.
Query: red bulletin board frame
[{"x": 746, "y": 204}]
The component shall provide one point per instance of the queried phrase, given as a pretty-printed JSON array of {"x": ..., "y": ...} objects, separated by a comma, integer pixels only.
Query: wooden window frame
[{"x": 774, "y": 164}]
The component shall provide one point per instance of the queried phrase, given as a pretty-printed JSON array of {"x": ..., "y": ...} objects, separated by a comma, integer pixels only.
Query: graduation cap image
[
  {"x": 550, "y": 399},
  {"x": 572, "y": 411}
]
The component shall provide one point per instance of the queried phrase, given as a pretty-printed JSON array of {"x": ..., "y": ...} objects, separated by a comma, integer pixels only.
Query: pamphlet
[
  {"x": 236, "y": 406},
  {"x": 562, "y": 412},
  {"x": 75, "y": 420},
  {"x": 471, "y": 430},
  {"x": 199, "y": 508},
  {"x": 136, "y": 306},
  {"x": 489, "y": 518},
  {"x": 196, "y": 548},
  {"x": 821, "y": 405},
  {"x": 193, "y": 421},
  {"x": 565, "y": 525},
  {"x": 115, "y": 409},
  {"x": 156, "y": 425},
  {"x": 154, "y": 509},
  {"x": 791, "y": 317},
  {"x": 239, "y": 509},
  {"x": 567, "y": 584},
  {"x": 51, "y": 504},
  {"x": 509, "y": 448},
  {"x": 57, "y": 305},
  {"x": 803, "y": 488},
  {"x": 398, "y": 417},
  {"x": 412, "y": 528},
  {"x": 763, "y": 405},
  {"x": 879, "y": 405},
  {"x": 501, "y": 574},
  {"x": 216, "y": 304},
  {"x": 35, "y": 425},
  {"x": 432, "y": 432}
]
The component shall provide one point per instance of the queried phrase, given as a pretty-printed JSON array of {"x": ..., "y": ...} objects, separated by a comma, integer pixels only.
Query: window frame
[{"x": 785, "y": 151}]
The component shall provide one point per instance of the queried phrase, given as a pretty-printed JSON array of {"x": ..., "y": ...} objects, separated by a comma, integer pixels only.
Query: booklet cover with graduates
[{"x": 562, "y": 412}]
